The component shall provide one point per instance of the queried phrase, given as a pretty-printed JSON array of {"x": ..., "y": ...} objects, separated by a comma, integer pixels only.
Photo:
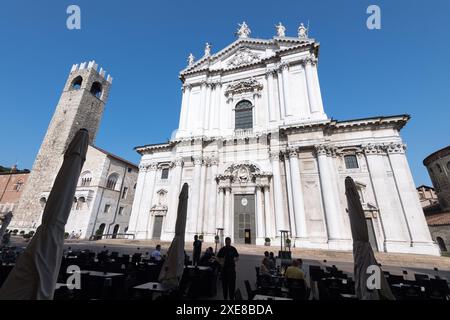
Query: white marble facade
[{"x": 282, "y": 153}]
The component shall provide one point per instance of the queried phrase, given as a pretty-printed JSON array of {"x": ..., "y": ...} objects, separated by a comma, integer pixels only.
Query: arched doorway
[
  {"x": 441, "y": 244},
  {"x": 115, "y": 231},
  {"x": 100, "y": 231}
]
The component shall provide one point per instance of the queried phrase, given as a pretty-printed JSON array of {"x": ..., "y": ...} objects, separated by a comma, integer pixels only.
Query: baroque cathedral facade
[{"x": 261, "y": 156}]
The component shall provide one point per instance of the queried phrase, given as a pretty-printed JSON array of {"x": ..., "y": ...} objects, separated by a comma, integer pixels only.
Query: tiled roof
[{"x": 440, "y": 219}]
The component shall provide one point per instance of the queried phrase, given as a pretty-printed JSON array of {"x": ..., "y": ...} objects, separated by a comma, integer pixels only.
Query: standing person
[
  {"x": 156, "y": 254},
  {"x": 228, "y": 256},
  {"x": 197, "y": 251}
]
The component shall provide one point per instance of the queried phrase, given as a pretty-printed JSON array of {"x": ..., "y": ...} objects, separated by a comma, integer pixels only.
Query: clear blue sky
[{"x": 402, "y": 68}]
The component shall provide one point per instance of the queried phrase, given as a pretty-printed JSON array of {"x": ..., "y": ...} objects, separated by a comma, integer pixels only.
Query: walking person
[
  {"x": 228, "y": 256},
  {"x": 196, "y": 251}
]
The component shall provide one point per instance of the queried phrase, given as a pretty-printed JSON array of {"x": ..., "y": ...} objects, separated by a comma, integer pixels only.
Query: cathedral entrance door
[
  {"x": 244, "y": 218},
  {"x": 157, "y": 227}
]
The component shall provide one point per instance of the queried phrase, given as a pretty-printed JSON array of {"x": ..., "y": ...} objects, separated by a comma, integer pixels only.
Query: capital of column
[
  {"x": 292, "y": 152},
  {"x": 310, "y": 60},
  {"x": 178, "y": 162},
  {"x": 395, "y": 147},
  {"x": 270, "y": 72},
  {"x": 370, "y": 149},
  {"x": 152, "y": 166},
  {"x": 198, "y": 160},
  {"x": 274, "y": 155},
  {"x": 186, "y": 86},
  {"x": 325, "y": 150}
]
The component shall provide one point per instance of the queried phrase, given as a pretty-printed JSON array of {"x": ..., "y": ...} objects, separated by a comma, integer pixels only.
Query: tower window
[
  {"x": 439, "y": 168},
  {"x": 124, "y": 192},
  {"x": 351, "y": 162},
  {"x": 112, "y": 181},
  {"x": 86, "y": 179},
  {"x": 164, "y": 174},
  {"x": 96, "y": 89},
  {"x": 244, "y": 115},
  {"x": 76, "y": 83}
]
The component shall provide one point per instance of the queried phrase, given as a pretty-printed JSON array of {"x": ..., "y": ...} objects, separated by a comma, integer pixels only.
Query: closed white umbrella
[
  {"x": 36, "y": 271},
  {"x": 362, "y": 250},
  {"x": 5, "y": 223},
  {"x": 173, "y": 267}
]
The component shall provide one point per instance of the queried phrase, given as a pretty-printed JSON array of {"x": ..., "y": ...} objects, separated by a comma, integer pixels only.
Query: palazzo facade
[{"x": 261, "y": 156}]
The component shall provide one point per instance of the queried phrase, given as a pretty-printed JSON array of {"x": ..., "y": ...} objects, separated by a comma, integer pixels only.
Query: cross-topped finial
[{"x": 243, "y": 31}]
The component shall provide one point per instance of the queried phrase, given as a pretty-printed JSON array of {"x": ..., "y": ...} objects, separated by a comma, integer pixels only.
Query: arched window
[
  {"x": 80, "y": 203},
  {"x": 18, "y": 185},
  {"x": 439, "y": 167},
  {"x": 441, "y": 244},
  {"x": 448, "y": 166},
  {"x": 112, "y": 181},
  {"x": 86, "y": 178},
  {"x": 76, "y": 83},
  {"x": 244, "y": 115},
  {"x": 96, "y": 89}
]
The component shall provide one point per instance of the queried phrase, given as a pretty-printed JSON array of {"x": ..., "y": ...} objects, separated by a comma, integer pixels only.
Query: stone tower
[{"x": 81, "y": 105}]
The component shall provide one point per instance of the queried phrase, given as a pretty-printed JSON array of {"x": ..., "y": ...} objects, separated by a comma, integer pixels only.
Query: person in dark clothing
[
  {"x": 228, "y": 256},
  {"x": 197, "y": 251}
]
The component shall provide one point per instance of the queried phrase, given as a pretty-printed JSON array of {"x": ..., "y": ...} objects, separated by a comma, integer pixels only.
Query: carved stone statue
[
  {"x": 302, "y": 32},
  {"x": 281, "y": 30},
  {"x": 207, "y": 49},
  {"x": 243, "y": 31},
  {"x": 191, "y": 59}
]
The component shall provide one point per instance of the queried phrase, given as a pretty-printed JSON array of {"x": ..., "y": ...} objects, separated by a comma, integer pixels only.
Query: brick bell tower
[{"x": 81, "y": 105}]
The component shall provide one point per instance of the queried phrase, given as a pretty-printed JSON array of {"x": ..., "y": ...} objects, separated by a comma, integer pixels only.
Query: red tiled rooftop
[{"x": 440, "y": 219}]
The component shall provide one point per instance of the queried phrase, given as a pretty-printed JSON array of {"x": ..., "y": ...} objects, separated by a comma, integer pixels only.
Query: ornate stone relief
[
  {"x": 244, "y": 86},
  {"x": 242, "y": 173},
  {"x": 242, "y": 57}
]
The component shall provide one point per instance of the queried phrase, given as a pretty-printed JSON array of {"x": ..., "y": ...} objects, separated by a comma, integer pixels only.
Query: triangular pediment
[{"x": 244, "y": 52}]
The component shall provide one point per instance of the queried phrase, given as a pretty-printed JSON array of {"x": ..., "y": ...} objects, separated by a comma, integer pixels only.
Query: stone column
[
  {"x": 201, "y": 202},
  {"x": 207, "y": 109},
  {"x": 144, "y": 220},
  {"x": 310, "y": 83},
  {"x": 260, "y": 230},
  {"x": 212, "y": 197},
  {"x": 392, "y": 219},
  {"x": 327, "y": 184},
  {"x": 220, "y": 209},
  {"x": 227, "y": 213},
  {"x": 218, "y": 108},
  {"x": 280, "y": 221},
  {"x": 270, "y": 95},
  {"x": 408, "y": 194},
  {"x": 290, "y": 196},
  {"x": 202, "y": 111},
  {"x": 183, "y": 125},
  {"x": 280, "y": 94},
  {"x": 137, "y": 201},
  {"x": 286, "y": 89},
  {"x": 195, "y": 202},
  {"x": 171, "y": 218},
  {"x": 270, "y": 220},
  {"x": 297, "y": 194}
]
